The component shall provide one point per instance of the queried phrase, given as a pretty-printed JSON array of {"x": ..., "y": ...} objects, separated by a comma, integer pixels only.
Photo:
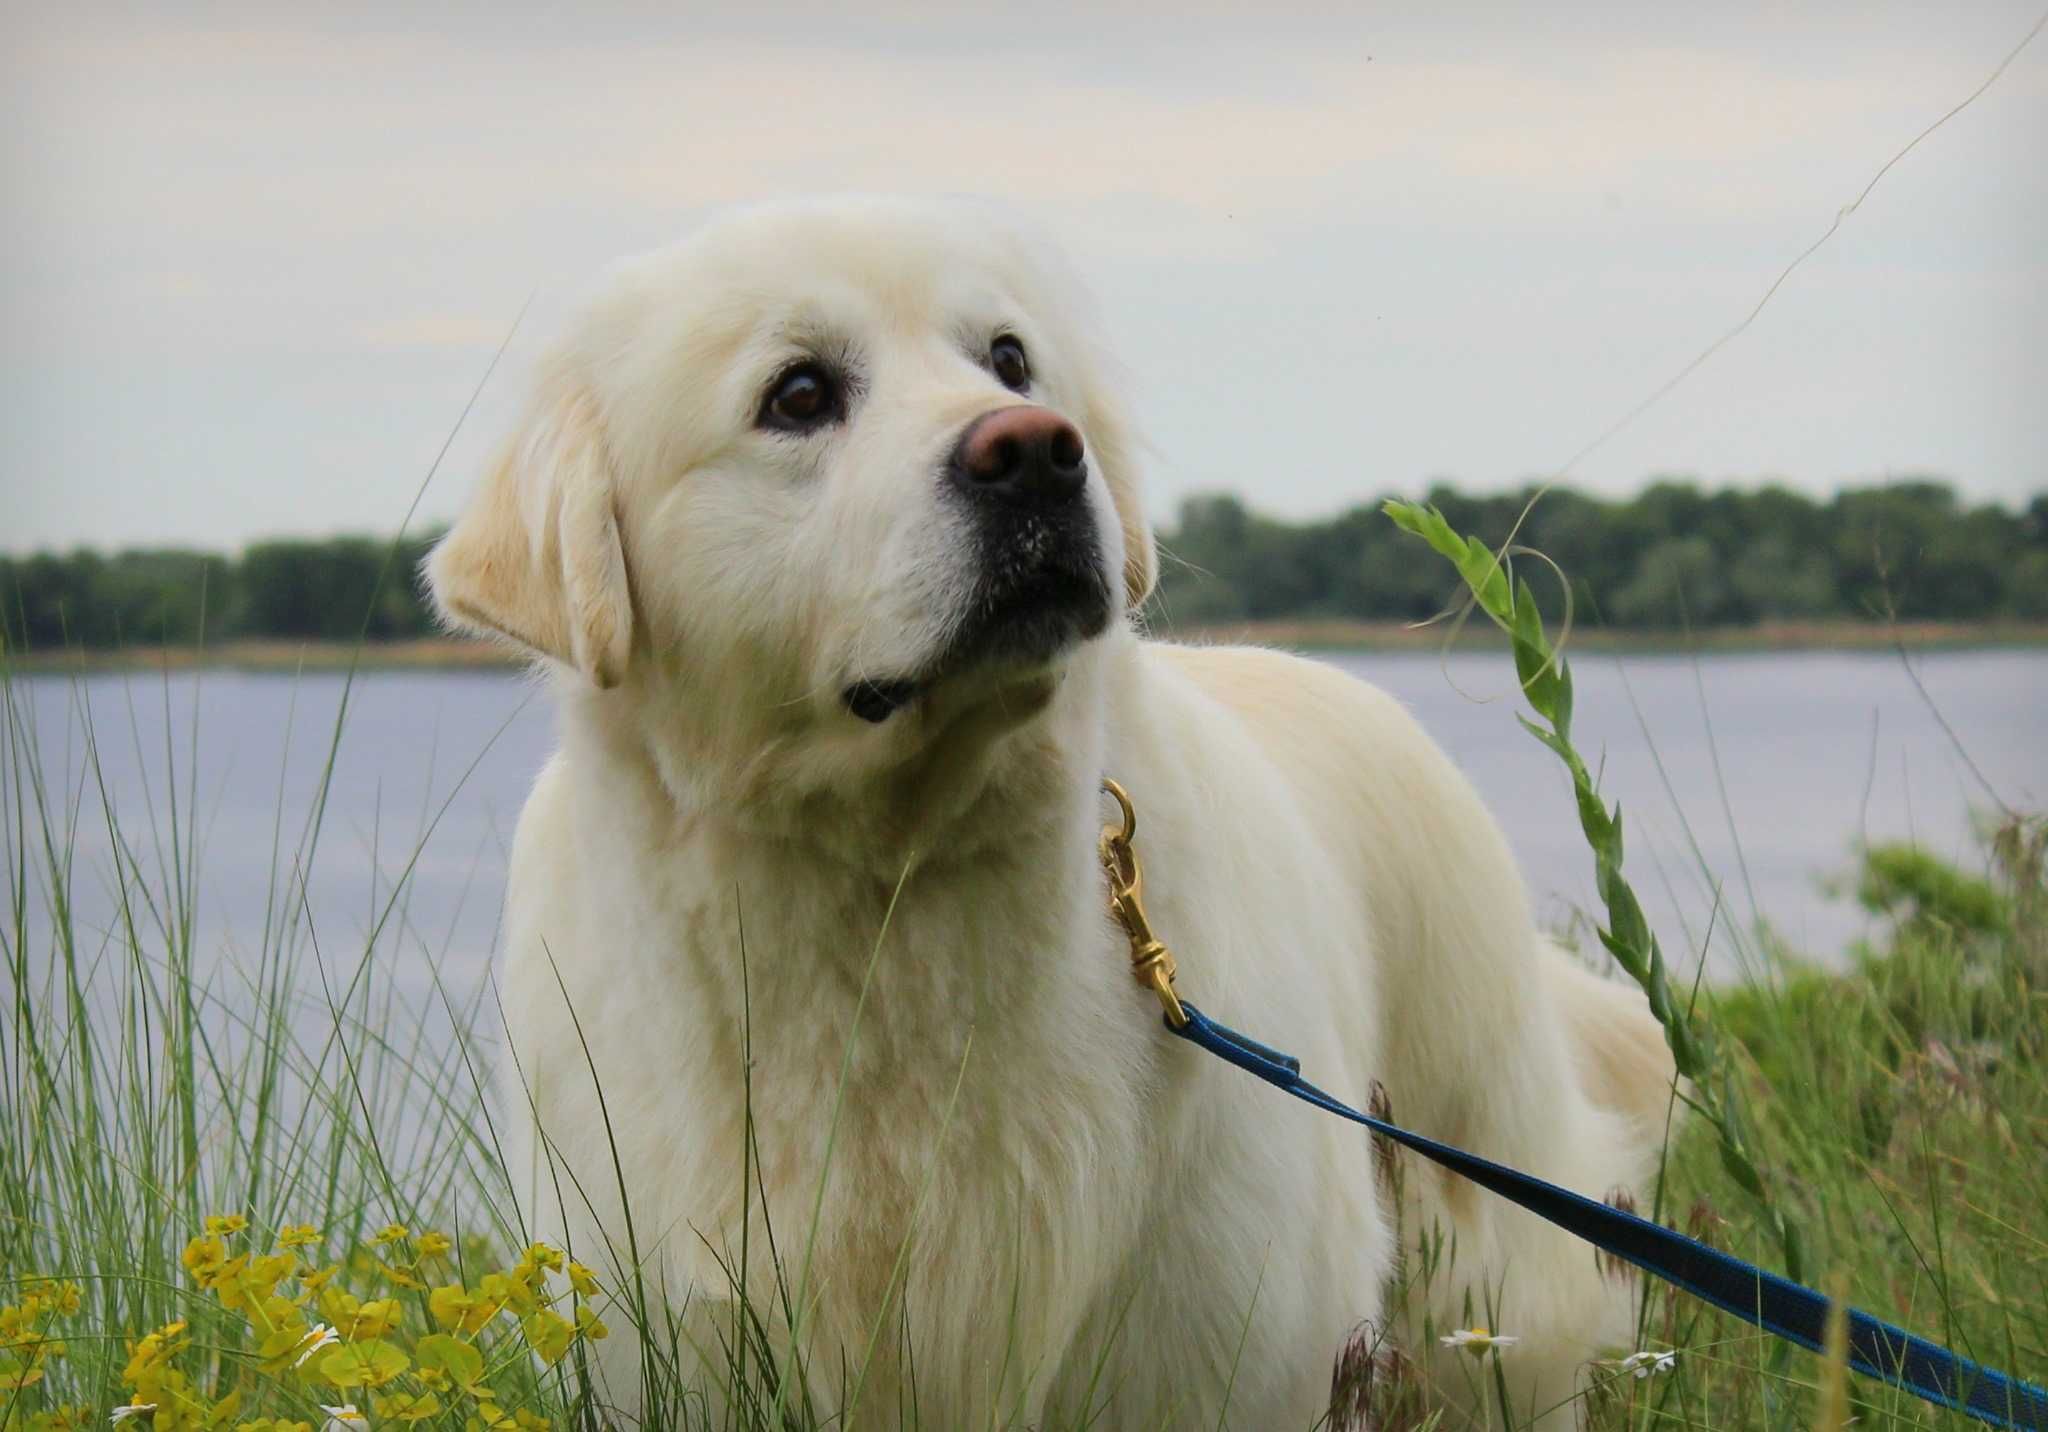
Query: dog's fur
[{"x": 1008, "y": 1185}]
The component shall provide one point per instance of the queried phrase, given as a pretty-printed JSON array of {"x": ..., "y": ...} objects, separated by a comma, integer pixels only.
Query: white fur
[{"x": 1106, "y": 1207}]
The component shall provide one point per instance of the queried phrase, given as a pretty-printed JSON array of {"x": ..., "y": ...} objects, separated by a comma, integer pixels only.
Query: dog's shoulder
[
  {"x": 544, "y": 819},
  {"x": 1352, "y": 755},
  {"x": 1295, "y": 702}
]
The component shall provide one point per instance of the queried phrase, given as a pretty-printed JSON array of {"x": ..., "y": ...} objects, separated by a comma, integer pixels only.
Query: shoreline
[
  {"x": 457, "y": 654},
  {"x": 1313, "y": 634}
]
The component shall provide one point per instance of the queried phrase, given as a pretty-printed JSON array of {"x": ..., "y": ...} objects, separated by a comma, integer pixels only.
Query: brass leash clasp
[{"x": 1151, "y": 962}]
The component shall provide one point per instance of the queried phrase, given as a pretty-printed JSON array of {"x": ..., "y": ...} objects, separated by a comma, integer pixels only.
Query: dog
[{"x": 825, "y": 525}]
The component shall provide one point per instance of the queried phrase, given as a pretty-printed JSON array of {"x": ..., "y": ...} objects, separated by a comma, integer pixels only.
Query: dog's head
[{"x": 817, "y": 491}]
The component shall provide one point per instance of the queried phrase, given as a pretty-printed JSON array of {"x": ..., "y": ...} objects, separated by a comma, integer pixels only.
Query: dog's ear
[
  {"x": 1109, "y": 434},
  {"x": 535, "y": 558}
]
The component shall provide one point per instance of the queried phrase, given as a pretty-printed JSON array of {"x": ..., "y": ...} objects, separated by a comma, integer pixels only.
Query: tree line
[
  {"x": 1674, "y": 555},
  {"x": 325, "y": 589}
]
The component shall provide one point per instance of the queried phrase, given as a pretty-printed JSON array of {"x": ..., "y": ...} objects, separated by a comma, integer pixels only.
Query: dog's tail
[{"x": 1618, "y": 1047}]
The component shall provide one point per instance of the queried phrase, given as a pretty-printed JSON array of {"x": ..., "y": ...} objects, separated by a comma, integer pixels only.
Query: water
[{"x": 1745, "y": 782}]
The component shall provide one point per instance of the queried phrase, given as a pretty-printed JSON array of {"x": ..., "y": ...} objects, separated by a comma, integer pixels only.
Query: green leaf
[
  {"x": 1547, "y": 687},
  {"x": 1475, "y": 562},
  {"x": 371, "y": 1363},
  {"x": 442, "y": 1352}
]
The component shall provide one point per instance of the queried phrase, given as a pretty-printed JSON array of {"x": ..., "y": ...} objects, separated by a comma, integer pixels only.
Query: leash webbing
[{"x": 1775, "y": 1304}]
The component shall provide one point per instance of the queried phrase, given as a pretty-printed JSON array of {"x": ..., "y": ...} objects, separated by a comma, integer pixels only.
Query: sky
[{"x": 255, "y": 259}]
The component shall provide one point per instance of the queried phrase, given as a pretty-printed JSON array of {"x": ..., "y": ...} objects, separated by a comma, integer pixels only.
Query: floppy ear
[
  {"x": 1141, "y": 553},
  {"x": 1110, "y": 436},
  {"x": 535, "y": 558}
]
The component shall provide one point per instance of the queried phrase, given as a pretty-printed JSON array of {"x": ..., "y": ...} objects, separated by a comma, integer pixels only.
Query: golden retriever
[{"x": 827, "y": 524}]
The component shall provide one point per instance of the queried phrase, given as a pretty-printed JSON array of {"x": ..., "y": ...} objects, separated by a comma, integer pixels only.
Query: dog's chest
[{"x": 961, "y": 1043}]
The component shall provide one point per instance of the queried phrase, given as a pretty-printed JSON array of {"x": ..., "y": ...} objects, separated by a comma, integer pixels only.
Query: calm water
[{"x": 1772, "y": 766}]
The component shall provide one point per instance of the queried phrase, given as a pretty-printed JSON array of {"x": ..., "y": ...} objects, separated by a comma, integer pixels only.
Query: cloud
[
  {"x": 433, "y": 330},
  {"x": 1479, "y": 233}
]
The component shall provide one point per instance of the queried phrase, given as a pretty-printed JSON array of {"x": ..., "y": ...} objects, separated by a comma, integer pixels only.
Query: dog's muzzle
[{"x": 1037, "y": 583}]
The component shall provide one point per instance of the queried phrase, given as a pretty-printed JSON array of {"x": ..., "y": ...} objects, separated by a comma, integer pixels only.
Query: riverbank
[
  {"x": 1344, "y": 635},
  {"x": 449, "y": 653}
]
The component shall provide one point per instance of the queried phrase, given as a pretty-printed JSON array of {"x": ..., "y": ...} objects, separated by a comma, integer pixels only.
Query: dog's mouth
[{"x": 1019, "y": 620}]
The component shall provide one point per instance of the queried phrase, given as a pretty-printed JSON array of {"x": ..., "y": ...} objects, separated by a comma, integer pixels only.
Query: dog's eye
[
  {"x": 806, "y": 396},
  {"x": 1007, "y": 361}
]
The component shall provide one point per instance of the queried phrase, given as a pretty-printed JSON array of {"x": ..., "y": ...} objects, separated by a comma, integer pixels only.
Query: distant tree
[
  {"x": 332, "y": 590},
  {"x": 162, "y": 597},
  {"x": 1677, "y": 582},
  {"x": 51, "y": 599},
  {"x": 1673, "y": 554}
]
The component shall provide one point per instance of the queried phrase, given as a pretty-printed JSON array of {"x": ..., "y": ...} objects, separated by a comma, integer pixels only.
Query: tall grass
[{"x": 153, "y": 1081}]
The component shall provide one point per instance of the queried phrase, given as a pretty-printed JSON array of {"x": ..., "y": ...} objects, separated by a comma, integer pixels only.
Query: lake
[{"x": 1744, "y": 779}]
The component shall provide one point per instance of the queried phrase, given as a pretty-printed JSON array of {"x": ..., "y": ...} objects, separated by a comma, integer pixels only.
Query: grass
[
  {"x": 1899, "y": 1110},
  {"x": 1896, "y": 1112}
]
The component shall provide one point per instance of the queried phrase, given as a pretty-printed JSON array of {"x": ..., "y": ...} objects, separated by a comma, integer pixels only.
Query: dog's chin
[{"x": 1010, "y": 648}]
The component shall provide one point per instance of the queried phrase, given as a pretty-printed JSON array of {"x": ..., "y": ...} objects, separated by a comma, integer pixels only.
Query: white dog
[{"x": 828, "y": 523}]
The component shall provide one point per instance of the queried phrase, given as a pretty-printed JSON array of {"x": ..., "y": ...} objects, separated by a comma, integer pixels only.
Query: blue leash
[{"x": 1775, "y": 1304}]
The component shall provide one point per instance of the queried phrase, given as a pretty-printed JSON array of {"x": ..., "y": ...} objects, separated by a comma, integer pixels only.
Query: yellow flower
[
  {"x": 245, "y": 1283},
  {"x": 204, "y": 1257},
  {"x": 549, "y": 1333},
  {"x": 535, "y": 1264},
  {"x": 503, "y": 1289},
  {"x": 75, "y": 1418},
  {"x": 15, "y": 1375},
  {"x": 449, "y": 1305},
  {"x": 278, "y": 1346},
  {"x": 588, "y": 1326},
  {"x": 152, "y": 1350},
  {"x": 529, "y": 1422},
  {"x": 406, "y": 1406},
  {"x": 456, "y": 1308},
  {"x": 402, "y": 1277},
  {"x": 338, "y": 1306},
  {"x": 47, "y": 1295},
  {"x": 178, "y": 1407},
  {"x": 583, "y": 1280},
  {"x": 371, "y": 1320},
  {"x": 297, "y": 1235},
  {"x": 226, "y": 1224},
  {"x": 230, "y": 1282},
  {"x": 318, "y": 1278},
  {"x": 391, "y": 1233},
  {"x": 434, "y": 1245}
]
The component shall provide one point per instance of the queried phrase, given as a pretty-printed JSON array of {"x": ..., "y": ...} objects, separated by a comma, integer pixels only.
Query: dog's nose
[{"x": 1023, "y": 455}]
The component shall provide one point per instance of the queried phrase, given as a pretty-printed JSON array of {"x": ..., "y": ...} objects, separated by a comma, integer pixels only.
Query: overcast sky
[{"x": 254, "y": 259}]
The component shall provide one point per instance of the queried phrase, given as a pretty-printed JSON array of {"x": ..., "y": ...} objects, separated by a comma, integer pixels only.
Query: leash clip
[{"x": 1151, "y": 962}]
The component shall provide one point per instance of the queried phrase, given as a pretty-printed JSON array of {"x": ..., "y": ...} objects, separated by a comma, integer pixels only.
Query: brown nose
[{"x": 1023, "y": 455}]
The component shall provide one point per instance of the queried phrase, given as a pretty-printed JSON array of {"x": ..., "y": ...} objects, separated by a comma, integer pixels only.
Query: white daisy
[
  {"x": 133, "y": 1409},
  {"x": 1478, "y": 1341},
  {"x": 1648, "y": 1362},
  {"x": 344, "y": 1418},
  {"x": 322, "y": 1336}
]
